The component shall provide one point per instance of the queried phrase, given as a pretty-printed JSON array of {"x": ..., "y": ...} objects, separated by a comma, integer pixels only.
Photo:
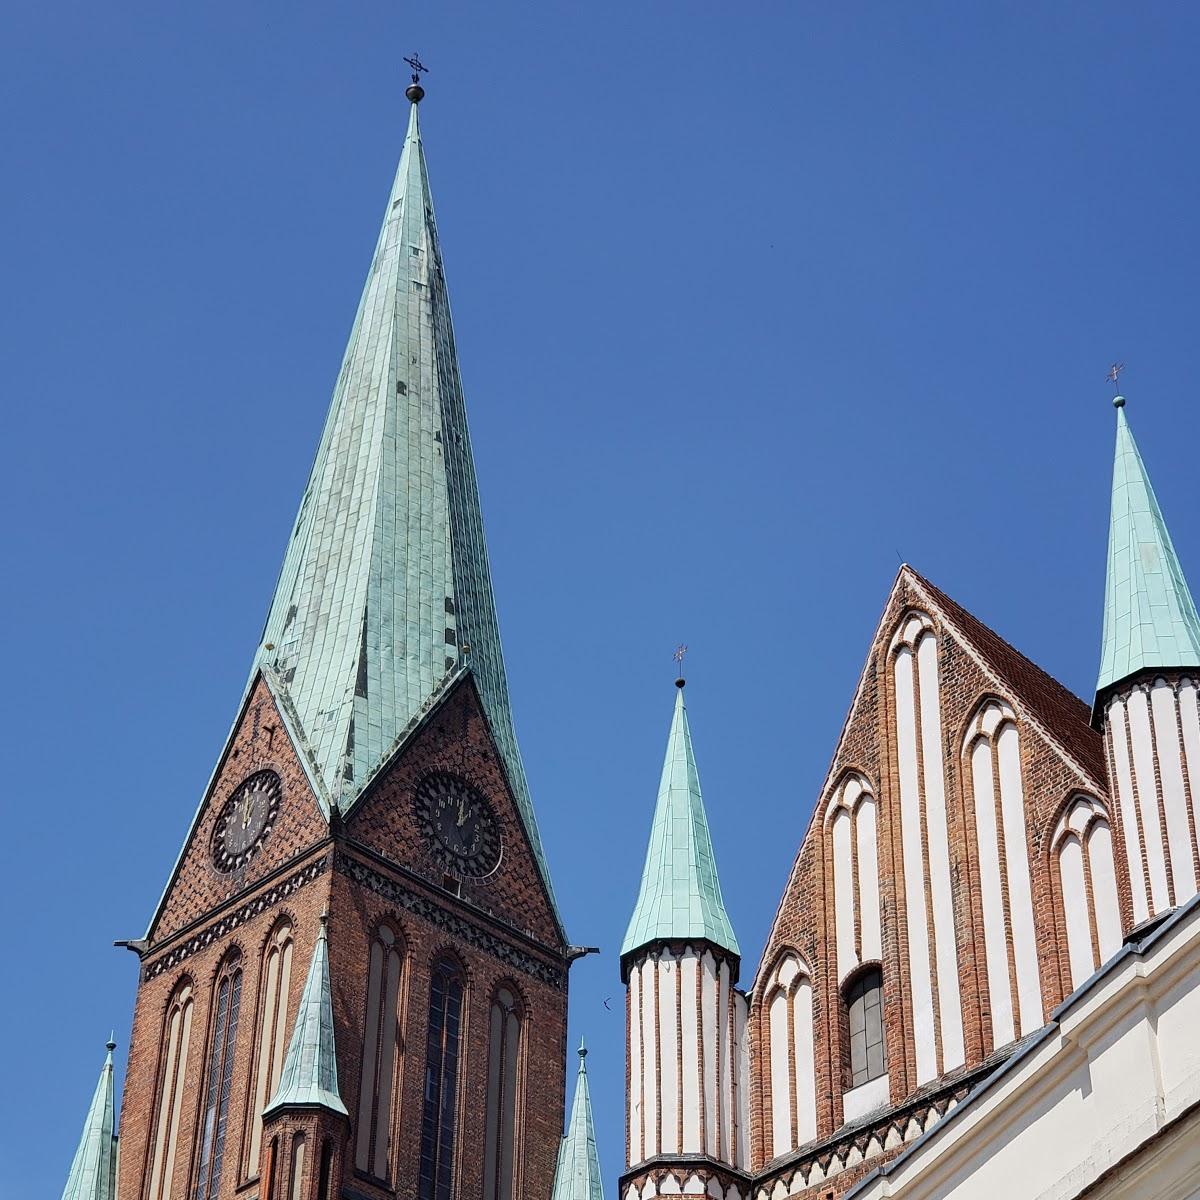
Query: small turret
[
  {"x": 1146, "y": 693},
  {"x": 94, "y": 1169},
  {"x": 686, "y": 1035},
  {"x": 577, "y": 1176}
]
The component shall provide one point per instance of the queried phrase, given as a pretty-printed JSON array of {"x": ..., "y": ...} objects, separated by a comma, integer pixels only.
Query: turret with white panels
[
  {"x": 687, "y": 1131},
  {"x": 1146, "y": 694}
]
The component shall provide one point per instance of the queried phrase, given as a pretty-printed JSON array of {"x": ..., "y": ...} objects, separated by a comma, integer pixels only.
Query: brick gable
[{"x": 258, "y": 742}]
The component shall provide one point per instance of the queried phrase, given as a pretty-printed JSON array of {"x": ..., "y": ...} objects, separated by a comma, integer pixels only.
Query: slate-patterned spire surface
[
  {"x": 309, "y": 1078},
  {"x": 1150, "y": 619},
  {"x": 93, "y": 1173},
  {"x": 577, "y": 1176},
  {"x": 385, "y": 592},
  {"x": 680, "y": 895}
]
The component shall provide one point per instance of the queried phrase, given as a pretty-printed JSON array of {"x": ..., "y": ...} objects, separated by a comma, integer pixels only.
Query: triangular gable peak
[
  {"x": 262, "y": 739},
  {"x": 1060, "y": 719}
]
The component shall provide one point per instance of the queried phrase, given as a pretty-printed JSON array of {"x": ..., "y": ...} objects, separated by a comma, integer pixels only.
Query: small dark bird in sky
[{"x": 606, "y": 1000}]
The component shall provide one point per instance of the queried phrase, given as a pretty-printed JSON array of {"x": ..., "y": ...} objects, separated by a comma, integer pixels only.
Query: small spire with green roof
[
  {"x": 309, "y": 1076},
  {"x": 680, "y": 897},
  {"x": 577, "y": 1176},
  {"x": 94, "y": 1169},
  {"x": 1150, "y": 620}
]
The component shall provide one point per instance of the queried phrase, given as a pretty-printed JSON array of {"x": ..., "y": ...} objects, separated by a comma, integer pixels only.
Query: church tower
[
  {"x": 1146, "y": 695},
  {"x": 355, "y": 982},
  {"x": 686, "y": 1129}
]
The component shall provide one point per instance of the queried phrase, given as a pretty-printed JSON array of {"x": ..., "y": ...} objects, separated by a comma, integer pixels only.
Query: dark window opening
[
  {"x": 864, "y": 1009},
  {"x": 436, "y": 1171}
]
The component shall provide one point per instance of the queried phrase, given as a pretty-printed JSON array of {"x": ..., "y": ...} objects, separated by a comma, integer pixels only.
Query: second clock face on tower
[
  {"x": 459, "y": 823},
  {"x": 246, "y": 820}
]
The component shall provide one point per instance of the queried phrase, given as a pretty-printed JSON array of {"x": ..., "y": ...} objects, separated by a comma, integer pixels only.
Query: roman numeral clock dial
[
  {"x": 459, "y": 824},
  {"x": 246, "y": 820}
]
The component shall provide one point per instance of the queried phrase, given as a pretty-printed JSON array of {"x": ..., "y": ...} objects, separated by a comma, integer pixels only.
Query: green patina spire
[
  {"x": 577, "y": 1176},
  {"x": 309, "y": 1075},
  {"x": 385, "y": 593},
  {"x": 1150, "y": 619},
  {"x": 680, "y": 897},
  {"x": 94, "y": 1169}
]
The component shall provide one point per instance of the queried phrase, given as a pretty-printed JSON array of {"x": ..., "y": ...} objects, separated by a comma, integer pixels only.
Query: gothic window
[
  {"x": 382, "y": 1053},
  {"x": 1083, "y": 847},
  {"x": 228, "y": 994},
  {"x": 864, "y": 1010},
  {"x": 172, "y": 1085},
  {"x": 851, "y": 820},
  {"x": 996, "y": 802},
  {"x": 790, "y": 1032},
  {"x": 504, "y": 1050},
  {"x": 296, "y": 1174},
  {"x": 435, "y": 1175},
  {"x": 271, "y": 1035},
  {"x": 932, "y": 966},
  {"x": 326, "y": 1169}
]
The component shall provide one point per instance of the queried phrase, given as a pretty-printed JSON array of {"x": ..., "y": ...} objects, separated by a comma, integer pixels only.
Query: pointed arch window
[
  {"x": 864, "y": 1012},
  {"x": 790, "y": 1040},
  {"x": 296, "y": 1172},
  {"x": 504, "y": 1050},
  {"x": 172, "y": 1085},
  {"x": 382, "y": 1053},
  {"x": 851, "y": 821},
  {"x": 438, "y": 1119},
  {"x": 1083, "y": 848},
  {"x": 271, "y": 1036},
  {"x": 228, "y": 995}
]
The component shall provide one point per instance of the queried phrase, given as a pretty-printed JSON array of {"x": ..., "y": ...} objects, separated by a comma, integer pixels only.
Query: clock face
[
  {"x": 246, "y": 820},
  {"x": 460, "y": 823}
]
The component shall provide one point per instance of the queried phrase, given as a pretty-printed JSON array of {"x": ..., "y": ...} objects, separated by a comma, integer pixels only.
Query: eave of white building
[{"x": 1105, "y": 1100}]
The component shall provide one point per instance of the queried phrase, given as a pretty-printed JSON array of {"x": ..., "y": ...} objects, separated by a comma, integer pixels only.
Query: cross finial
[
  {"x": 678, "y": 656},
  {"x": 1113, "y": 377},
  {"x": 415, "y": 92}
]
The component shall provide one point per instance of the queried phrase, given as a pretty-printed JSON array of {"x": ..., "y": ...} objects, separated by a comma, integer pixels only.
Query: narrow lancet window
[
  {"x": 504, "y": 1051},
  {"x": 382, "y": 1056},
  {"x": 864, "y": 1010},
  {"x": 228, "y": 992},
  {"x": 172, "y": 1086},
  {"x": 438, "y": 1119},
  {"x": 271, "y": 1036}
]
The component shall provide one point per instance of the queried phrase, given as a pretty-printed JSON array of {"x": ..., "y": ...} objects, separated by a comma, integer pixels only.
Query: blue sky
[{"x": 751, "y": 302}]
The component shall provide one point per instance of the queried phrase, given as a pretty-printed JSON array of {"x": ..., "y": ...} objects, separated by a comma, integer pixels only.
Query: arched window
[
  {"x": 436, "y": 1173},
  {"x": 271, "y": 1036},
  {"x": 932, "y": 965},
  {"x": 296, "y": 1176},
  {"x": 996, "y": 799},
  {"x": 850, "y": 819},
  {"x": 864, "y": 1011},
  {"x": 790, "y": 1033},
  {"x": 504, "y": 1048},
  {"x": 382, "y": 1053},
  {"x": 172, "y": 1085},
  {"x": 326, "y": 1169},
  {"x": 228, "y": 994},
  {"x": 1087, "y": 874}
]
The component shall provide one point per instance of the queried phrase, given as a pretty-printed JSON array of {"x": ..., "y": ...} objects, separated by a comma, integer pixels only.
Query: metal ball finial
[
  {"x": 680, "y": 682},
  {"x": 1118, "y": 402},
  {"x": 415, "y": 92},
  {"x": 111, "y": 1044}
]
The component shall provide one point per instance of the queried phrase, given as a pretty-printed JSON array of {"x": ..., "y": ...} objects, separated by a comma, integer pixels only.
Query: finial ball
[
  {"x": 1118, "y": 402},
  {"x": 415, "y": 92},
  {"x": 680, "y": 682}
]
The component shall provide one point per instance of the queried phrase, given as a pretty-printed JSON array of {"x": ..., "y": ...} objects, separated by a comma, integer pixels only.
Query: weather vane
[
  {"x": 415, "y": 92},
  {"x": 680, "y": 651},
  {"x": 418, "y": 67},
  {"x": 1113, "y": 374}
]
